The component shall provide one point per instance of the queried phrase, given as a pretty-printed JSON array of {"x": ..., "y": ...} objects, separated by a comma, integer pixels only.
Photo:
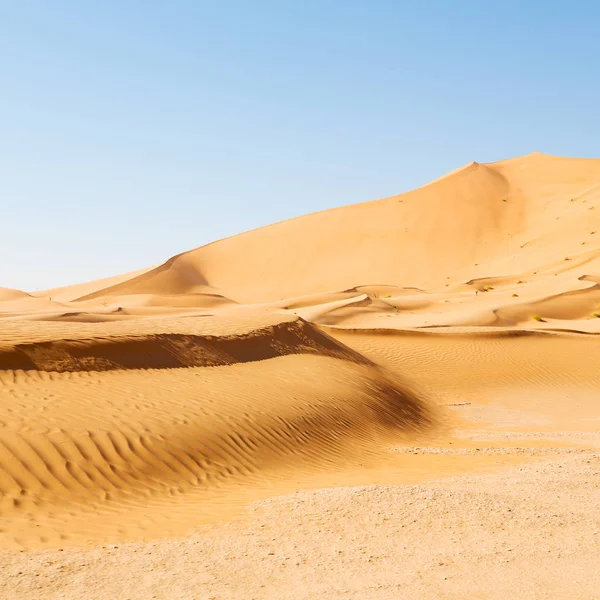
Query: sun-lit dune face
[
  {"x": 125, "y": 424},
  {"x": 15, "y": 302},
  {"x": 529, "y": 221},
  {"x": 8, "y": 294},
  {"x": 516, "y": 215},
  {"x": 492, "y": 244}
]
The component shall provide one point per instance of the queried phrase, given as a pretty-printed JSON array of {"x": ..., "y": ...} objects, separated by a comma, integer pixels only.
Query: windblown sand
[{"x": 395, "y": 399}]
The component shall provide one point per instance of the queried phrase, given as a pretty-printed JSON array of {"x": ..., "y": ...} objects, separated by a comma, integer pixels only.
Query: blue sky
[{"x": 133, "y": 130}]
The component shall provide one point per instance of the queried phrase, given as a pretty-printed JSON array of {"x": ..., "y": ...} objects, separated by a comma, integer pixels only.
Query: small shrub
[
  {"x": 597, "y": 315},
  {"x": 538, "y": 318},
  {"x": 515, "y": 295}
]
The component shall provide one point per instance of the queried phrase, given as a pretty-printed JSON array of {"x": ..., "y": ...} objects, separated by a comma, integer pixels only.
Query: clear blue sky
[{"x": 132, "y": 130}]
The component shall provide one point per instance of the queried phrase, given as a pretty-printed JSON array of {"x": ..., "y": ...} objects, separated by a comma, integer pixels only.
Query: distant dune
[
  {"x": 517, "y": 216},
  {"x": 520, "y": 232}
]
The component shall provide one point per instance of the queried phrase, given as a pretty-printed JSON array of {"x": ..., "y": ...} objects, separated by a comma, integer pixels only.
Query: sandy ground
[
  {"x": 527, "y": 532},
  {"x": 396, "y": 399}
]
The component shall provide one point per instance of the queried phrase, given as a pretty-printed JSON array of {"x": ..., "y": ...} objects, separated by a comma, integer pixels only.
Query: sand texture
[{"x": 394, "y": 399}]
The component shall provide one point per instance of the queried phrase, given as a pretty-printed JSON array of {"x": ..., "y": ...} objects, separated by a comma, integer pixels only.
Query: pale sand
[{"x": 408, "y": 408}]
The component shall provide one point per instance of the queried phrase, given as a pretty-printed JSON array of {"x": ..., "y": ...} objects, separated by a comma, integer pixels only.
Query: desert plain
[{"x": 392, "y": 399}]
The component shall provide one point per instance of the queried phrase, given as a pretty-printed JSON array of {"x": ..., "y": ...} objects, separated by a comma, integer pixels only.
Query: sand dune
[
  {"x": 487, "y": 245},
  {"x": 517, "y": 217},
  {"x": 482, "y": 246},
  {"x": 9, "y": 294},
  {"x": 15, "y": 302},
  {"x": 122, "y": 445},
  {"x": 170, "y": 349},
  {"x": 445, "y": 337},
  {"x": 72, "y": 292}
]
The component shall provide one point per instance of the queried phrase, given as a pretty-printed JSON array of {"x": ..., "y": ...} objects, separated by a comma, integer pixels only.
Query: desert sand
[{"x": 393, "y": 399}]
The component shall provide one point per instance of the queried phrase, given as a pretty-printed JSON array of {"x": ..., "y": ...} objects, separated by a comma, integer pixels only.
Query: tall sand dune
[{"x": 515, "y": 216}]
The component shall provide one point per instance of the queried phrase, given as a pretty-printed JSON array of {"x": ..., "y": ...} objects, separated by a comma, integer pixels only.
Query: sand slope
[
  {"x": 513, "y": 217},
  {"x": 15, "y": 302},
  {"x": 179, "y": 415},
  {"x": 500, "y": 244}
]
